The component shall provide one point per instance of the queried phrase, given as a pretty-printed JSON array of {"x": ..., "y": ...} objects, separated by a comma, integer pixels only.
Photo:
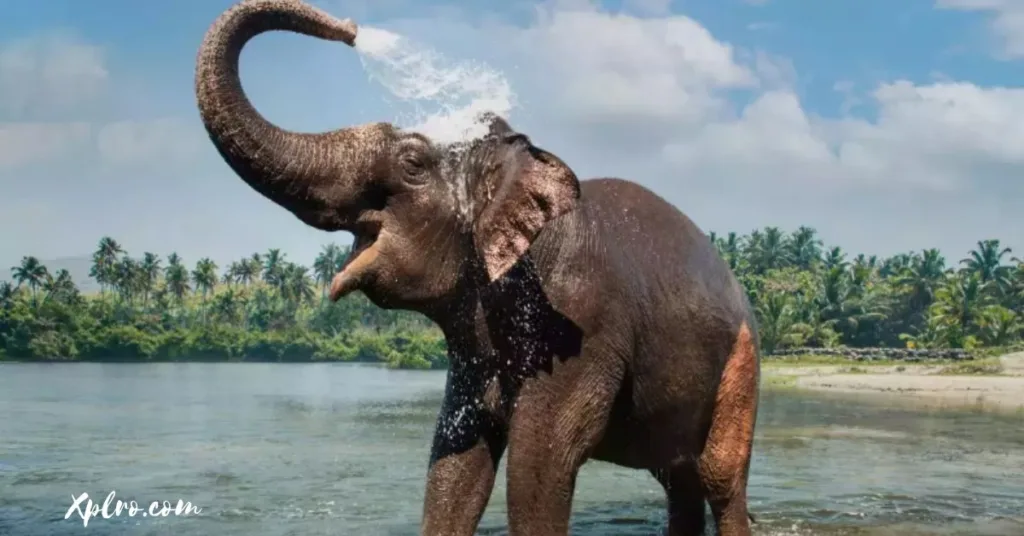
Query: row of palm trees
[
  {"x": 804, "y": 294},
  {"x": 808, "y": 295},
  {"x": 138, "y": 279},
  {"x": 37, "y": 279}
]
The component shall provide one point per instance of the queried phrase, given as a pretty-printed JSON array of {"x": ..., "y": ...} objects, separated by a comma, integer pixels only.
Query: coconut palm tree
[
  {"x": 729, "y": 247},
  {"x": 204, "y": 276},
  {"x": 959, "y": 304},
  {"x": 60, "y": 286},
  {"x": 273, "y": 265},
  {"x": 256, "y": 266},
  {"x": 30, "y": 273},
  {"x": 804, "y": 248},
  {"x": 247, "y": 271},
  {"x": 176, "y": 277},
  {"x": 920, "y": 278},
  {"x": 296, "y": 285},
  {"x": 7, "y": 293},
  {"x": 325, "y": 265},
  {"x": 835, "y": 257},
  {"x": 150, "y": 272},
  {"x": 128, "y": 278},
  {"x": 104, "y": 262},
  {"x": 986, "y": 260}
]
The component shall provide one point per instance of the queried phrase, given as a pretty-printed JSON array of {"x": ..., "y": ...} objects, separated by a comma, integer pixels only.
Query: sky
[{"x": 887, "y": 125}]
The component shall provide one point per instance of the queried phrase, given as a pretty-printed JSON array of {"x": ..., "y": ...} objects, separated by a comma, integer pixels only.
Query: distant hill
[{"x": 78, "y": 267}]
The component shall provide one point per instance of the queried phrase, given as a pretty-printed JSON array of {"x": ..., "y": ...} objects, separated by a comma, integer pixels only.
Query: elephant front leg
[
  {"x": 541, "y": 483},
  {"x": 550, "y": 436},
  {"x": 467, "y": 448}
]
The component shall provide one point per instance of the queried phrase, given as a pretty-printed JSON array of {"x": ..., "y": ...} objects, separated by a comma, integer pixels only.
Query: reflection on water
[{"x": 342, "y": 449}]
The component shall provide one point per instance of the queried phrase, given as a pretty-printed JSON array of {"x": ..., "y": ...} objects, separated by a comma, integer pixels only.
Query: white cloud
[
  {"x": 22, "y": 144},
  {"x": 162, "y": 141},
  {"x": 666, "y": 80},
  {"x": 1007, "y": 21},
  {"x": 653, "y": 99},
  {"x": 49, "y": 73},
  {"x": 47, "y": 85},
  {"x": 724, "y": 133},
  {"x": 938, "y": 137},
  {"x": 649, "y": 7},
  {"x": 72, "y": 167},
  {"x": 603, "y": 67}
]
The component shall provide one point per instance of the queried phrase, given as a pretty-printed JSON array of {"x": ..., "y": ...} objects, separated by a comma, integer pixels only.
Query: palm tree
[
  {"x": 204, "y": 277},
  {"x": 128, "y": 278},
  {"x": 848, "y": 301},
  {"x": 920, "y": 278},
  {"x": 226, "y": 306},
  {"x": 958, "y": 306},
  {"x": 7, "y": 293},
  {"x": 255, "y": 266},
  {"x": 273, "y": 264},
  {"x": 230, "y": 275},
  {"x": 150, "y": 269},
  {"x": 104, "y": 260},
  {"x": 804, "y": 248},
  {"x": 60, "y": 286},
  {"x": 296, "y": 286},
  {"x": 176, "y": 276},
  {"x": 1017, "y": 286},
  {"x": 30, "y": 273},
  {"x": 835, "y": 258},
  {"x": 776, "y": 321},
  {"x": 999, "y": 326},
  {"x": 247, "y": 271},
  {"x": 730, "y": 250},
  {"x": 895, "y": 264},
  {"x": 325, "y": 265},
  {"x": 987, "y": 261},
  {"x": 767, "y": 250}
]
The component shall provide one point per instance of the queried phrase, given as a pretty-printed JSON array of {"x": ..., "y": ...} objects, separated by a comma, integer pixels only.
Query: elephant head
[{"x": 424, "y": 215}]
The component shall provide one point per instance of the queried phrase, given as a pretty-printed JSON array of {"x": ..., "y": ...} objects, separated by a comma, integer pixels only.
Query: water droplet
[{"x": 458, "y": 91}]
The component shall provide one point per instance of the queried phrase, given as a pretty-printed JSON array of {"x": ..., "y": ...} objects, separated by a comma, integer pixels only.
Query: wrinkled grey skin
[{"x": 584, "y": 320}]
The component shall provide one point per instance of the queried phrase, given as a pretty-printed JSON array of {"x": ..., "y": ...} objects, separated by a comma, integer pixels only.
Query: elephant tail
[{"x": 752, "y": 520}]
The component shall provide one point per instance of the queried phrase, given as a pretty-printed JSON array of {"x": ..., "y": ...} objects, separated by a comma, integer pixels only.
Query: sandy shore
[{"x": 926, "y": 384}]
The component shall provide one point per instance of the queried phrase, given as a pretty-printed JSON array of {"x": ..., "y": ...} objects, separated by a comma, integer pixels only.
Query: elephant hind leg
[
  {"x": 724, "y": 465},
  {"x": 686, "y": 510}
]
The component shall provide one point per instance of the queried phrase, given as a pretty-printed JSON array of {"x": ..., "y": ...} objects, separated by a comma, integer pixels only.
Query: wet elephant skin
[{"x": 584, "y": 319}]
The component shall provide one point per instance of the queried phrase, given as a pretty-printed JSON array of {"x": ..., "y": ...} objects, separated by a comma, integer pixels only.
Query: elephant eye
[
  {"x": 413, "y": 162},
  {"x": 414, "y": 165}
]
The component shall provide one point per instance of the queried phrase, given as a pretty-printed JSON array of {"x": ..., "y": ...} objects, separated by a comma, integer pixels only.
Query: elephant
[{"x": 584, "y": 319}]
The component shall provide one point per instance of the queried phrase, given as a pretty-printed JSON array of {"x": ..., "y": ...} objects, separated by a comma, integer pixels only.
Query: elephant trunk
[{"x": 318, "y": 177}]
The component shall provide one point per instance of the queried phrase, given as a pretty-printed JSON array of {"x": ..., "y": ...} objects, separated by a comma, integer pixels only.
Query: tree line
[
  {"x": 260, "y": 308},
  {"x": 268, "y": 308},
  {"x": 806, "y": 295}
]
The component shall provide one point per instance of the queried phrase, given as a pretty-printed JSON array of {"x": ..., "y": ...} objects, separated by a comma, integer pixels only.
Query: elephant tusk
[{"x": 349, "y": 278}]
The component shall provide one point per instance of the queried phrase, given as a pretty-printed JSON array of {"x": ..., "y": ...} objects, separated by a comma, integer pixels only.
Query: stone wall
[{"x": 872, "y": 354}]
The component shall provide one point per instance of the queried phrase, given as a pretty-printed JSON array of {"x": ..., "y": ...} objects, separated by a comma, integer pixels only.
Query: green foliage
[
  {"x": 808, "y": 296},
  {"x": 263, "y": 308},
  {"x": 267, "y": 308}
]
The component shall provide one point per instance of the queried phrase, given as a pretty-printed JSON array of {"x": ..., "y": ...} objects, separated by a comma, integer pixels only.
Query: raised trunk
[{"x": 318, "y": 177}]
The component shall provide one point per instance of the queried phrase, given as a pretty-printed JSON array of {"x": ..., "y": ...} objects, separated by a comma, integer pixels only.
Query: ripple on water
[{"x": 280, "y": 454}]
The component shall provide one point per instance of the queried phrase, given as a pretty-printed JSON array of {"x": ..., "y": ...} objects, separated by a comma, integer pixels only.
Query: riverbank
[{"x": 991, "y": 383}]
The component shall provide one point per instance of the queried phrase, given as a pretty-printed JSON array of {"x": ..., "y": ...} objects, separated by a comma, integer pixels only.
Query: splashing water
[{"x": 457, "y": 92}]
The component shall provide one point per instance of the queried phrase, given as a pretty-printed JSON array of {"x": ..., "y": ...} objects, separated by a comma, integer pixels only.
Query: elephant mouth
[{"x": 365, "y": 250}]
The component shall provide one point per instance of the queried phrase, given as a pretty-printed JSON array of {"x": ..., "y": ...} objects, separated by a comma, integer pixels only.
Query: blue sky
[{"x": 886, "y": 125}]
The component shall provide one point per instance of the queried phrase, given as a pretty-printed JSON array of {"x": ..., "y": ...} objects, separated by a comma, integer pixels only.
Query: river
[{"x": 268, "y": 449}]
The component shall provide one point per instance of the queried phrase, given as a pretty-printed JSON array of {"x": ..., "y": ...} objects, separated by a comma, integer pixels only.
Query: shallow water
[{"x": 341, "y": 449}]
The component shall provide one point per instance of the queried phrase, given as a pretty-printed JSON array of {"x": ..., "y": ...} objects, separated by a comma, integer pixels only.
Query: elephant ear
[{"x": 533, "y": 187}]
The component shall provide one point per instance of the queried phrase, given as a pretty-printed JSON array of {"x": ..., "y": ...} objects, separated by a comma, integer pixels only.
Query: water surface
[{"x": 270, "y": 449}]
